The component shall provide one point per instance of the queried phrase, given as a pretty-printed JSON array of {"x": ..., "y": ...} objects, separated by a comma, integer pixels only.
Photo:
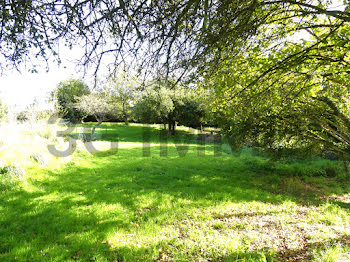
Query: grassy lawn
[{"x": 177, "y": 203}]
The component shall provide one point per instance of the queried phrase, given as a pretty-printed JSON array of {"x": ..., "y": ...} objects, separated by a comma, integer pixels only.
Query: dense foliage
[
  {"x": 170, "y": 106},
  {"x": 65, "y": 96},
  {"x": 171, "y": 36},
  {"x": 283, "y": 97}
]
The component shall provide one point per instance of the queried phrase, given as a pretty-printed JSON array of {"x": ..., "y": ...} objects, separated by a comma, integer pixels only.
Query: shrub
[
  {"x": 23, "y": 116},
  {"x": 10, "y": 175},
  {"x": 14, "y": 171},
  {"x": 289, "y": 167}
]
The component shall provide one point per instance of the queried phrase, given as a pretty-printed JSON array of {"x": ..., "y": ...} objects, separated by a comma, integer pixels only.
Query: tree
[
  {"x": 195, "y": 109},
  {"x": 171, "y": 36},
  {"x": 123, "y": 90},
  {"x": 99, "y": 105},
  {"x": 171, "y": 106},
  {"x": 153, "y": 106},
  {"x": 295, "y": 105},
  {"x": 65, "y": 95}
]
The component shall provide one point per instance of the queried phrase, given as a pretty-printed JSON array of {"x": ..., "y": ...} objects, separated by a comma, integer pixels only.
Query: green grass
[
  {"x": 119, "y": 205},
  {"x": 137, "y": 133}
]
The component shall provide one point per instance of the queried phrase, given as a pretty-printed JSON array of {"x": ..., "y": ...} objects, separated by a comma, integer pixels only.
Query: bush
[
  {"x": 10, "y": 175},
  {"x": 13, "y": 171},
  {"x": 23, "y": 116},
  {"x": 289, "y": 167},
  {"x": 33, "y": 115}
]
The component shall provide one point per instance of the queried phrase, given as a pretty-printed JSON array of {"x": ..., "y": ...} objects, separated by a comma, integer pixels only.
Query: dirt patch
[{"x": 339, "y": 198}]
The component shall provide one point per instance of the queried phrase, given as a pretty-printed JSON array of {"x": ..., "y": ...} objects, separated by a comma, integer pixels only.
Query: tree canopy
[
  {"x": 304, "y": 102},
  {"x": 123, "y": 88},
  {"x": 99, "y": 105},
  {"x": 171, "y": 106},
  {"x": 65, "y": 96},
  {"x": 170, "y": 36}
]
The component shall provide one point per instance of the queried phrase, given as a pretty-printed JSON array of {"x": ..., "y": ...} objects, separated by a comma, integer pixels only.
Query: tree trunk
[
  {"x": 169, "y": 129},
  {"x": 94, "y": 127},
  {"x": 125, "y": 115},
  {"x": 172, "y": 126},
  {"x": 346, "y": 167}
]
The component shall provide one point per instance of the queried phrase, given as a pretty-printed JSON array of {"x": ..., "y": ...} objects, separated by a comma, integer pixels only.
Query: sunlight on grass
[{"x": 118, "y": 205}]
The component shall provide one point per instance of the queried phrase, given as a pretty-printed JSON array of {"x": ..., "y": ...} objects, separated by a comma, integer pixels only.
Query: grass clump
[
  {"x": 45, "y": 133},
  {"x": 39, "y": 158},
  {"x": 333, "y": 253}
]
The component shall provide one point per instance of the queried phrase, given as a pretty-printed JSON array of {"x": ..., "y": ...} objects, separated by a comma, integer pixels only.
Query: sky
[{"x": 19, "y": 90}]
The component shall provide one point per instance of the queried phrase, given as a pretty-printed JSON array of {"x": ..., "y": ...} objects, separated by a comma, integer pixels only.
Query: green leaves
[
  {"x": 65, "y": 96},
  {"x": 162, "y": 104},
  {"x": 275, "y": 95}
]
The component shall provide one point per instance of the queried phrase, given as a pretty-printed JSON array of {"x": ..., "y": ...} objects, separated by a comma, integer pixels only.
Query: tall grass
[{"x": 23, "y": 145}]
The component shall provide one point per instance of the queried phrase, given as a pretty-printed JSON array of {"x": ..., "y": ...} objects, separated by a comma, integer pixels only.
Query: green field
[{"x": 175, "y": 203}]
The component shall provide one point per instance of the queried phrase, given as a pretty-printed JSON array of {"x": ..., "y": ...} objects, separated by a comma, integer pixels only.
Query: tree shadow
[
  {"x": 33, "y": 229},
  {"x": 138, "y": 134},
  {"x": 73, "y": 210},
  {"x": 301, "y": 254}
]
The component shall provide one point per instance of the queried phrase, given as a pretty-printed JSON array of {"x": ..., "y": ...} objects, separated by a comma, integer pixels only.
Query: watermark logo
[{"x": 149, "y": 138}]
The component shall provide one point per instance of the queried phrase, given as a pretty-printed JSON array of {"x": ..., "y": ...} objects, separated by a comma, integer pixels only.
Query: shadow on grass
[
  {"x": 140, "y": 134},
  {"x": 71, "y": 212},
  {"x": 302, "y": 254}
]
